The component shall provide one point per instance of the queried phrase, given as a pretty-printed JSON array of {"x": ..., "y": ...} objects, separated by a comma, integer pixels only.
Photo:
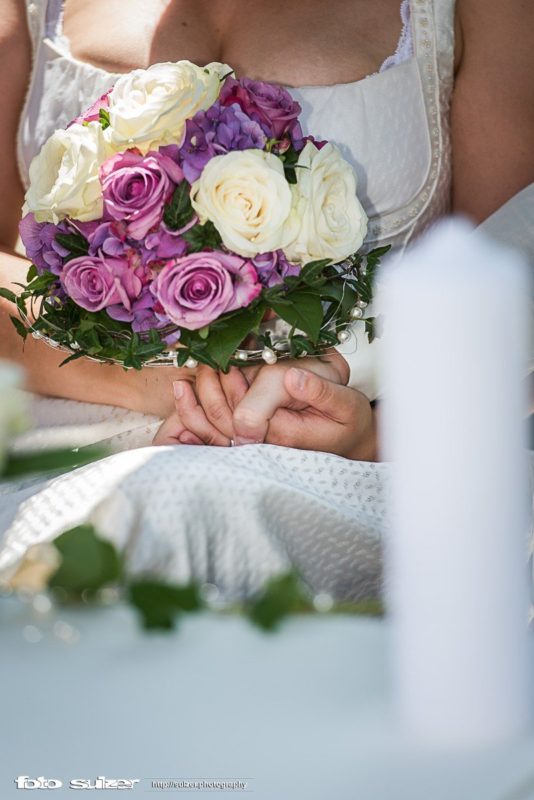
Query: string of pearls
[{"x": 269, "y": 355}]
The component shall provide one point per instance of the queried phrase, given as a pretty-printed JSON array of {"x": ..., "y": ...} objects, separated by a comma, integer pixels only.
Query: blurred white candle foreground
[{"x": 454, "y": 339}]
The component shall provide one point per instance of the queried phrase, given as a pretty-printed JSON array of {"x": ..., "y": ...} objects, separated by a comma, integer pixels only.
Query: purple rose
[
  {"x": 39, "y": 239},
  {"x": 195, "y": 290},
  {"x": 269, "y": 105},
  {"x": 92, "y": 114},
  {"x": 273, "y": 267},
  {"x": 96, "y": 282},
  {"x": 136, "y": 188},
  {"x": 215, "y": 132}
]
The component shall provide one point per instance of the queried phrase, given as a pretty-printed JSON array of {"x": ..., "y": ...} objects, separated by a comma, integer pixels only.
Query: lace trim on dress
[{"x": 404, "y": 49}]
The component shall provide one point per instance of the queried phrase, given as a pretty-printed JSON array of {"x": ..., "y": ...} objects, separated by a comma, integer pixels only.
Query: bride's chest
[
  {"x": 391, "y": 126},
  {"x": 294, "y": 42}
]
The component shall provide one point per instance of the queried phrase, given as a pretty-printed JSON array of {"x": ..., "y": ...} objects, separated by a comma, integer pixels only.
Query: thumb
[
  {"x": 331, "y": 399},
  {"x": 252, "y": 415}
]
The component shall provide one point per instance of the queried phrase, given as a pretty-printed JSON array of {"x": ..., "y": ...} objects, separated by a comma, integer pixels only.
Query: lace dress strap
[
  {"x": 45, "y": 20},
  {"x": 404, "y": 49},
  {"x": 444, "y": 11}
]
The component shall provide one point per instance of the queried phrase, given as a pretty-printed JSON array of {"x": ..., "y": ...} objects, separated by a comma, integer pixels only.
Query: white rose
[
  {"x": 332, "y": 221},
  {"x": 64, "y": 175},
  {"x": 149, "y": 107},
  {"x": 247, "y": 197}
]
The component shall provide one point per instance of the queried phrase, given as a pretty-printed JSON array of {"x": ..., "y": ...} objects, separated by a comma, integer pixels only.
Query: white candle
[{"x": 455, "y": 335}]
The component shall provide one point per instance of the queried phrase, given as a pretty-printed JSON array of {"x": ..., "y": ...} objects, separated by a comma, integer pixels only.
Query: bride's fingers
[
  {"x": 214, "y": 402},
  {"x": 169, "y": 431},
  {"x": 193, "y": 417},
  {"x": 234, "y": 385},
  {"x": 335, "y": 401},
  {"x": 296, "y": 428},
  {"x": 251, "y": 416}
]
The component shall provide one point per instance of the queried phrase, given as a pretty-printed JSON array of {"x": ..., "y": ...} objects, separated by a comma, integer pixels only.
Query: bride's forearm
[{"x": 148, "y": 390}]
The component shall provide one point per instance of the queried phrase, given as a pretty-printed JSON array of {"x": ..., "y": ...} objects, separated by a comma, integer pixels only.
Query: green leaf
[
  {"x": 7, "y": 294},
  {"x": 32, "y": 273},
  {"x": 227, "y": 335},
  {"x": 202, "y": 237},
  {"x": 280, "y": 597},
  {"x": 42, "y": 283},
  {"x": 370, "y": 328},
  {"x": 74, "y": 357},
  {"x": 289, "y": 160},
  {"x": 18, "y": 464},
  {"x": 304, "y": 313},
  {"x": 378, "y": 252},
  {"x": 313, "y": 269},
  {"x": 87, "y": 562},
  {"x": 22, "y": 330},
  {"x": 161, "y": 603},
  {"x": 179, "y": 211},
  {"x": 75, "y": 243},
  {"x": 103, "y": 118},
  {"x": 369, "y": 607}
]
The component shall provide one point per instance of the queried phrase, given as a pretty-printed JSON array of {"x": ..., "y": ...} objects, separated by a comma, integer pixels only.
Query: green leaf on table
[
  {"x": 281, "y": 596},
  {"x": 368, "y": 607},
  {"x": 304, "y": 313},
  {"x": 159, "y": 604},
  {"x": 87, "y": 562},
  {"x": 226, "y": 335},
  {"x": 179, "y": 211},
  {"x": 60, "y": 460}
]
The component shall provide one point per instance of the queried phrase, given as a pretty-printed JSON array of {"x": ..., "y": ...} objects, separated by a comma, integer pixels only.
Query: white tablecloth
[{"x": 304, "y": 714}]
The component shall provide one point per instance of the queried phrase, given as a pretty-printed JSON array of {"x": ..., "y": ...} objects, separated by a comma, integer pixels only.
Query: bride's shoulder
[
  {"x": 502, "y": 29},
  {"x": 493, "y": 104}
]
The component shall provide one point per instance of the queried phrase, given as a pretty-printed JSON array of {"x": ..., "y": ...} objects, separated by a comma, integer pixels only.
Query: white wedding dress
[{"x": 235, "y": 516}]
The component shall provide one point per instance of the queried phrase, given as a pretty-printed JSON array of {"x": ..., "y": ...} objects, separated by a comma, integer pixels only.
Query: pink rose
[
  {"x": 195, "y": 290},
  {"x": 97, "y": 282},
  {"x": 136, "y": 188},
  {"x": 92, "y": 114}
]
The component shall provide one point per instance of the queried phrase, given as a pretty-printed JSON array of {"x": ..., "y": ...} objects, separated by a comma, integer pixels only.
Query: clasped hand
[{"x": 285, "y": 404}]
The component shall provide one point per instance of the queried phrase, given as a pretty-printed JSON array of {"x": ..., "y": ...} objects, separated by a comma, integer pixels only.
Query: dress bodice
[{"x": 391, "y": 126}]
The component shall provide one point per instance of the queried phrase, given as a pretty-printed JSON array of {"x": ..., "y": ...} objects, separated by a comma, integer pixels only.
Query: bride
[{"x": 431, "y": 102}]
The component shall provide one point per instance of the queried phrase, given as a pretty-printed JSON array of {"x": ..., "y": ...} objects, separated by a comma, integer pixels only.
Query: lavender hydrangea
[
  {"x": 215, "y": 132},
  {"x": 273, "y": 268},
  {"x": 39, "y": 239},
  {"x": 109, "y": 239}
]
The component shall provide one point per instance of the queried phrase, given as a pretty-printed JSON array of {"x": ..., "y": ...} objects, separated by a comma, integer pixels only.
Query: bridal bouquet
[{"x": 181, "y": 211}]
